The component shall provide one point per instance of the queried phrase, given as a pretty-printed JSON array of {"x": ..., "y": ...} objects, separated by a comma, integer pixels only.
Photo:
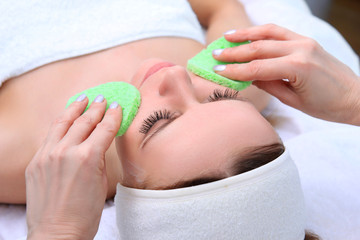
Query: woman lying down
[
  {"x": 202, "y": 184},
  {"x": 197, "y": 162}
]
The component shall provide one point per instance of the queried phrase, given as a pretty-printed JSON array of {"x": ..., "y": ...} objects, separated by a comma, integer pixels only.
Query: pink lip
[{"x": 156, "y": 68}]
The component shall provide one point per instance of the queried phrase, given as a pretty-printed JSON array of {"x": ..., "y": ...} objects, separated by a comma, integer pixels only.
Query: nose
[{"x": 177, "y": 86}]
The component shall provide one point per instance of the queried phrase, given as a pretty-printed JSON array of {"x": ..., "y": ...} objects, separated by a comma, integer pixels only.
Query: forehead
[{"x": 203, "y": 139}]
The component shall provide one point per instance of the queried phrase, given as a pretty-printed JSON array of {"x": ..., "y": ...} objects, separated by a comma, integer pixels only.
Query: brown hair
[
  {"x": 311, "y": 236},
  {"x": 244, "y": 161},
  {"x": 255, "y": 157}
]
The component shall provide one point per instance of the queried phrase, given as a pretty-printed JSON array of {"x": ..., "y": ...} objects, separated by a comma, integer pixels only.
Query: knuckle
[
  {"x": 108, "y": 126},
  {"x": 310, "y": 45},
  {"x": 85, "y": 120},
  {"x": 85, "y": 155},
  {"x": 300, "y": 60},
  {"x": 255, "y": 46},
  {"x": 57, "y": 154},
  {"x": 35, "y": 164},
  {"x": 254, "y": 68},
  {"x": 269, "y": 30},
  {"x": 271, "y": 27},
  {"x": 230, "y": 54},
  {"x": 63, "y": 120},
  {"x": 29, "y": 171}
]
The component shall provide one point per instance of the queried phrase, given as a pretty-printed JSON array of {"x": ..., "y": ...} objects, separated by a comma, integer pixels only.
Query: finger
[
  {"x": 281, "y": 90},
  {"x": 266, "y": 70},
  {"x": 62, "y": 124},
  {"x": 261, "y": 49},
  {"x": 86, "y": 123},
  {"x": 262, "y": 32},
  {"x": 106, "y": 130}
]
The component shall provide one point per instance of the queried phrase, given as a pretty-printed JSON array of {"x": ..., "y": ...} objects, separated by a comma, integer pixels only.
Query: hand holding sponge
[
  {"x": 123, "y": 93},
  {"x": 202, "y": 65}
]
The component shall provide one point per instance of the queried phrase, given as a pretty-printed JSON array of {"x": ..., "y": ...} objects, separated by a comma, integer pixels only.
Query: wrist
[
  {"x": 41, "y": 236},
  {"x": 354, "y": 104},
  {"x": 54, "y": 233}
]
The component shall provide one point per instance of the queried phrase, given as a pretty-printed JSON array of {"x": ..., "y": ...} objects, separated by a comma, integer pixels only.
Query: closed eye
[
  {"x": 227, "y": 94},
  {"x": 168, "y": 116},
  {"x": 217, "y": 95}
]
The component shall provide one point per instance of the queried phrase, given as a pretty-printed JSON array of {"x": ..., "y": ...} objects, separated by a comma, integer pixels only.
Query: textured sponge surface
[
  {"x": 202, "y": 64},
  {"x": 124, "y": 93}
]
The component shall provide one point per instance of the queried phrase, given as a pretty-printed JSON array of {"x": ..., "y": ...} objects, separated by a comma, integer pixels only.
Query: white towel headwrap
[{"x": 265, "y": 203}]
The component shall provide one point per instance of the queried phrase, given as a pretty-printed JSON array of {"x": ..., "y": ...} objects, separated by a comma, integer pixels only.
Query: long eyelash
[
  {"x": 223, "y": 94},
  {"x": 217, "y": 95},
  {"x": 153, "y": 118}
]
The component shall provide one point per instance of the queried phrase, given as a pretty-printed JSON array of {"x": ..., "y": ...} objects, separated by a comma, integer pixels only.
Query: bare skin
[{"x": 30, "y": 102}]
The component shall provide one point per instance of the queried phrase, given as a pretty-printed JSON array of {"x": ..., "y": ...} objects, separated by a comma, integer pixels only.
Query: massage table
[{"x": 327, "y": 154}]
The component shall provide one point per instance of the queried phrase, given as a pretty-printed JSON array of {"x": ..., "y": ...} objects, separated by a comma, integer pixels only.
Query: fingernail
[
  {"x": 113, "y": 105},
  {"x": 99, "y": 98},
  {"x": 217, "y": 52},
  {"x": 81, "y": 97},
  {"x": 230, "y": 32},
  {"x": 219, "y": 68}
]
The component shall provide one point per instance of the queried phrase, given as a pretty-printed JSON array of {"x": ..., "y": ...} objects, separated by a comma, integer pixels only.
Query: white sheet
[
  {"x": 329, "y": 167},
  {"x": 333, "y": 205}
]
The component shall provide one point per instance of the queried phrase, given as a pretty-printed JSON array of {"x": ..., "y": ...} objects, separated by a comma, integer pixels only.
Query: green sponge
[
  {"x": 202, "y": 64},
  {"x": 124, "y": 93}
]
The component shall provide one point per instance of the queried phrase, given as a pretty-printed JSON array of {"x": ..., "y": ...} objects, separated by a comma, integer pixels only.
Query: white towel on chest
[{"x": 34, "y": 33}]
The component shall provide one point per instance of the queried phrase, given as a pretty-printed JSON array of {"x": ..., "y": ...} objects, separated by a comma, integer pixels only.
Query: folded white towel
[{"x": 265, "y": 203}]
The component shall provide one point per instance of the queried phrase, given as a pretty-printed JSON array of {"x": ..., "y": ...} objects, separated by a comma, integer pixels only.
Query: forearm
[
  {"x": 219, "y": 16},
  {"x": 230, "y": 16}
]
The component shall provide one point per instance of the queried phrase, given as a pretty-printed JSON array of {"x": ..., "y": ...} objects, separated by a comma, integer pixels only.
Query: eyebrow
[{"x": 163, "y": 126}]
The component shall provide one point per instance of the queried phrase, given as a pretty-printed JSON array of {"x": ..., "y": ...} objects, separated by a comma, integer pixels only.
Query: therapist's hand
[
  {"x": 318, "y": 84},
  {"x": 66, "y": 180}
]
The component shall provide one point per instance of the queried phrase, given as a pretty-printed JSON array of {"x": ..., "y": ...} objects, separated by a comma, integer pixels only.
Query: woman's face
[{"x": 179, "y": 134}]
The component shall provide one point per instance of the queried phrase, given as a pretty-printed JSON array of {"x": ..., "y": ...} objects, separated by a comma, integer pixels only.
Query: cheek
[
  {"x": 133, "y": 174},
  {"x": 127, "y": 146}
]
